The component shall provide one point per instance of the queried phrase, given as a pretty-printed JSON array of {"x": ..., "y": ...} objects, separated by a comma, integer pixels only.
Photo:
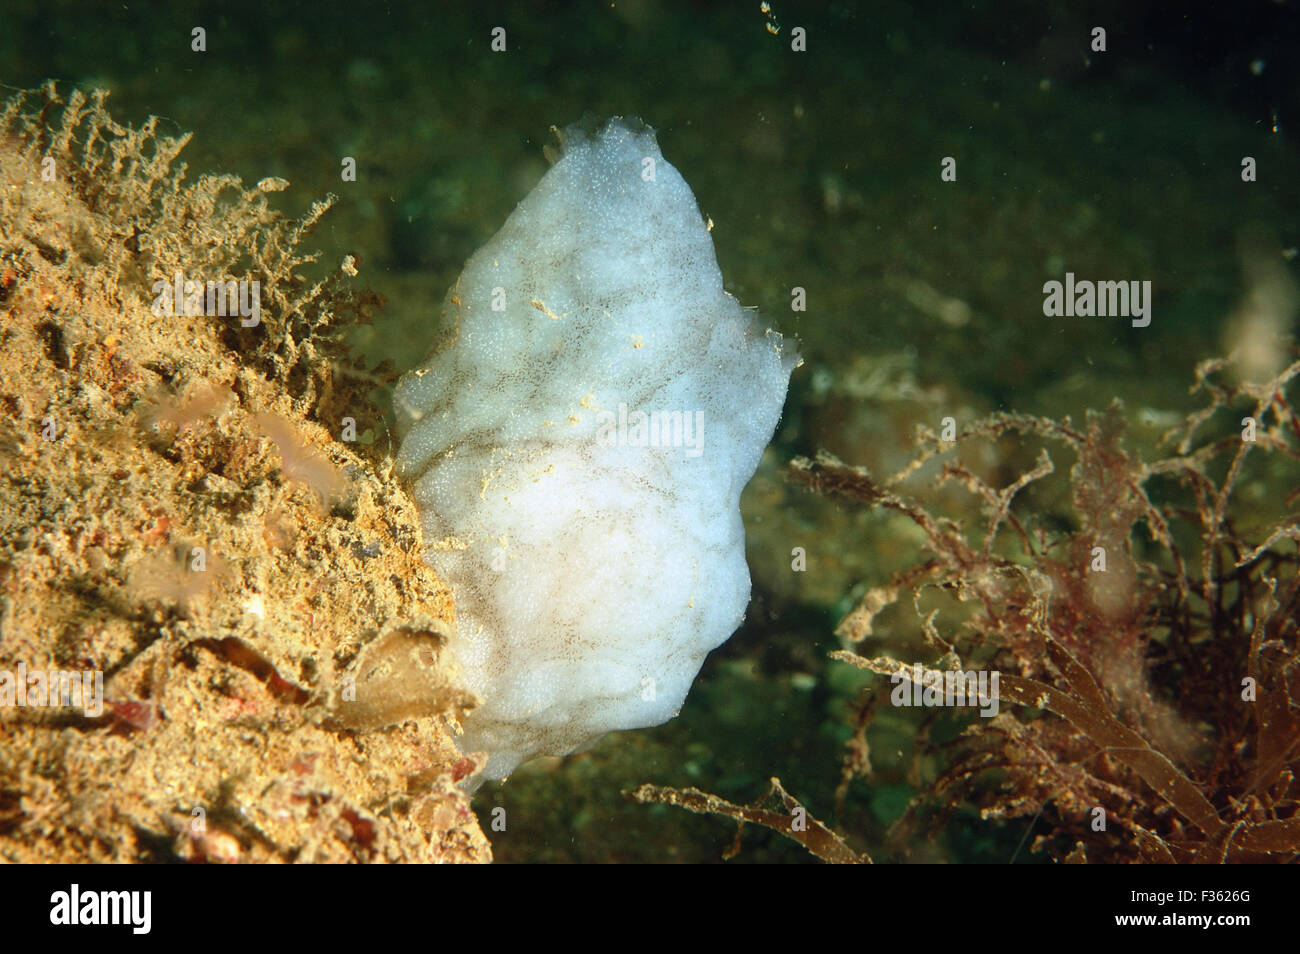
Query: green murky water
[{"x": 820, "y": 169}]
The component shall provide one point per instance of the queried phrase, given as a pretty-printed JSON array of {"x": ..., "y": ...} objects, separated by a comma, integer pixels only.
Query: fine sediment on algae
[{"x": 192, "y": 506}]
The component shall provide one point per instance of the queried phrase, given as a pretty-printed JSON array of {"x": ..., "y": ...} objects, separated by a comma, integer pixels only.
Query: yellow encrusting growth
[{"x": 249, "y": 639}]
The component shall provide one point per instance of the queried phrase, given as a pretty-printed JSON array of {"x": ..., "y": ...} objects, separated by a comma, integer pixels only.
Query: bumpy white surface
[{"x": 591, "y": 575}]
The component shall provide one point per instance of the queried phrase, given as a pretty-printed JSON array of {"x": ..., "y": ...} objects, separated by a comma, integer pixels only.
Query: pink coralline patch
[{"x": 134, "y": 714}]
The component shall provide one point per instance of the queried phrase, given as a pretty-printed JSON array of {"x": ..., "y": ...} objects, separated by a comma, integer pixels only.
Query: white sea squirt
[{"x": 578, "y": 442}]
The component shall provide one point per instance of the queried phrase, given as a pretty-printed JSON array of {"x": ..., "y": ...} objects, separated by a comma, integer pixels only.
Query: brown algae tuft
[{"x": 1140, "y": 618}]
